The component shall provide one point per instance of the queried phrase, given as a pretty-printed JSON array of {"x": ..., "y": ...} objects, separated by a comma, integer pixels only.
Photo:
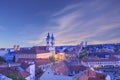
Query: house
[
  {"x": 29, "y": 67},
  {"x": 89, "y": 61},
  {"x": 50, "y": 75},
  {"x": 18, "y": 71},
  {"x": 60, "y": 68},
  {"x": 76, "y": 69},
  {"x": 90, "y": 74},
  {"x": 43, "y": 64},
  {"x": 26, "y": 70},
  {"x": 58, "y": 71}
]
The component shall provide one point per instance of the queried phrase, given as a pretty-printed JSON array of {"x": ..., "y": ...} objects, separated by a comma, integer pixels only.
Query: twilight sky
[{"x": 27, "y": 22}]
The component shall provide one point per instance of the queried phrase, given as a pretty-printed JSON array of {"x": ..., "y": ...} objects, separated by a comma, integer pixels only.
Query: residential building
[
  {"x": 90, "y": 74},
  {"x": 26, "y": 70},
  {"x": 43, "y": 64},
  {"x": 50, "y": 75},
  {"x": 94, "y": 62}
]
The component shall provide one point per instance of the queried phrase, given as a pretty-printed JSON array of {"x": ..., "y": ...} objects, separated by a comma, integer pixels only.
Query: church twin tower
[{"x": 50, "y": 41}]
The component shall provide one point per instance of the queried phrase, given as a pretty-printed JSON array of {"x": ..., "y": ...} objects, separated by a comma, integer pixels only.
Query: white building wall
[
  {"x": 27, "y": 78},
  {"x": 88, "y": 64},
  {"x": 108, "y": 77},
  {"x": 45, "y": 66},
  {"x": 17, "y": 56},
  {"x": 31, "y": 70}
]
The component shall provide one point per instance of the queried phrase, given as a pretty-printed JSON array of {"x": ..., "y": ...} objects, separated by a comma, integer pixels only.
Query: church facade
[
  {"x": 50, "y": 43},
  {"x": 38, "y": 51}
]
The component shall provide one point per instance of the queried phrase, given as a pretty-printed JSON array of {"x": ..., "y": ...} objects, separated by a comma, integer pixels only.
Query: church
[{"x": 38, "y": 51}]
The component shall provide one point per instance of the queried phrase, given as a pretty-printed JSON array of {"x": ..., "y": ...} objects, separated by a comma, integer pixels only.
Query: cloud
[
  {"x": 94, "y": 21},
  {"x": 40, "y": 41},
  {"x": 117, "y": 40},
  {"x": 66, "y": 9}
]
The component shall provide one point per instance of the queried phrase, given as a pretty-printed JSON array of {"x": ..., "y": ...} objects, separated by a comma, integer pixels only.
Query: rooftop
[
  {"x": 60, "y": 68},
  {"x": 13, "y": 70},
  {"x": 86, "y": 59},
  {"x": 33, "y": 50}
]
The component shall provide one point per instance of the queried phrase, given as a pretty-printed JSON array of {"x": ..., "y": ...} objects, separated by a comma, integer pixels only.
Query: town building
[
  {"x": 58, "y": 71},
  {"x": 25, "y": 71},
  {"x": 90, "y": 74},
  {"x": 3, "y": 77},
  {"x": 43, "y": 64},
  {"x": 38, "y": 51},
  {"x": 95, "y": 62}
]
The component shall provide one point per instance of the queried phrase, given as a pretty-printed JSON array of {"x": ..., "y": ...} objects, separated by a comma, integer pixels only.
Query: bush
[
  {"x": 52, "y": 59},
  {"x": 21, "y": 79},
  {"x": 1, "y": 59},
  {"x": 81, "y": 55},
  {"x": 12, "y": 76}
]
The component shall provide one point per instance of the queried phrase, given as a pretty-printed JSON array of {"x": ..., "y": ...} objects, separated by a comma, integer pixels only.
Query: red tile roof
[
  {"x": 92, "y": 75},
  {"x": 77, "y": 68},
  {"x": 33, "y": 50},
  {"x": 25, "y": 65},
  {"x": 86, "y": 59},
  {"x": 9, "y": 70},
  {"x": 60, "y": 68}
]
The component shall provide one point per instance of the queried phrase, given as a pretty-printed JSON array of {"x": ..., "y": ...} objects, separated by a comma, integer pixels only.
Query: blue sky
[{"x": 27, "y": 22}]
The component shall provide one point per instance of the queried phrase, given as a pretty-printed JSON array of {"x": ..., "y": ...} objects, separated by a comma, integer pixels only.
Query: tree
[
  {"x": 81, "y": 55},
  {"x": 12, "y": 76},
  {"x": 21, "y": 79},
  {"x": 52, "y": 59},
  {"x": 1, "y": 59}
]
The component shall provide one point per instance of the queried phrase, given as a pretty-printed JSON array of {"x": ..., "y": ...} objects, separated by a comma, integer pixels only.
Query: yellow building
[{"x": 60, "y": 56}]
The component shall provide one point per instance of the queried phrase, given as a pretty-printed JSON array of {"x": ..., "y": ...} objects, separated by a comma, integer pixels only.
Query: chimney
[
  {"x": 14, "y": 47},
  {"x": 18, "y": 47}
]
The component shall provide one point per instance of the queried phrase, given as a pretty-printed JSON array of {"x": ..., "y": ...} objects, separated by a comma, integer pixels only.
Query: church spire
[
  {"x": 48, "y": 36},
  {"x": 52, "y": 37}
]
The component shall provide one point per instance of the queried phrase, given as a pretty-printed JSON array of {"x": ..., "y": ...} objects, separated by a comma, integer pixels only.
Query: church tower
[{"x": 50, "y": 40}]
